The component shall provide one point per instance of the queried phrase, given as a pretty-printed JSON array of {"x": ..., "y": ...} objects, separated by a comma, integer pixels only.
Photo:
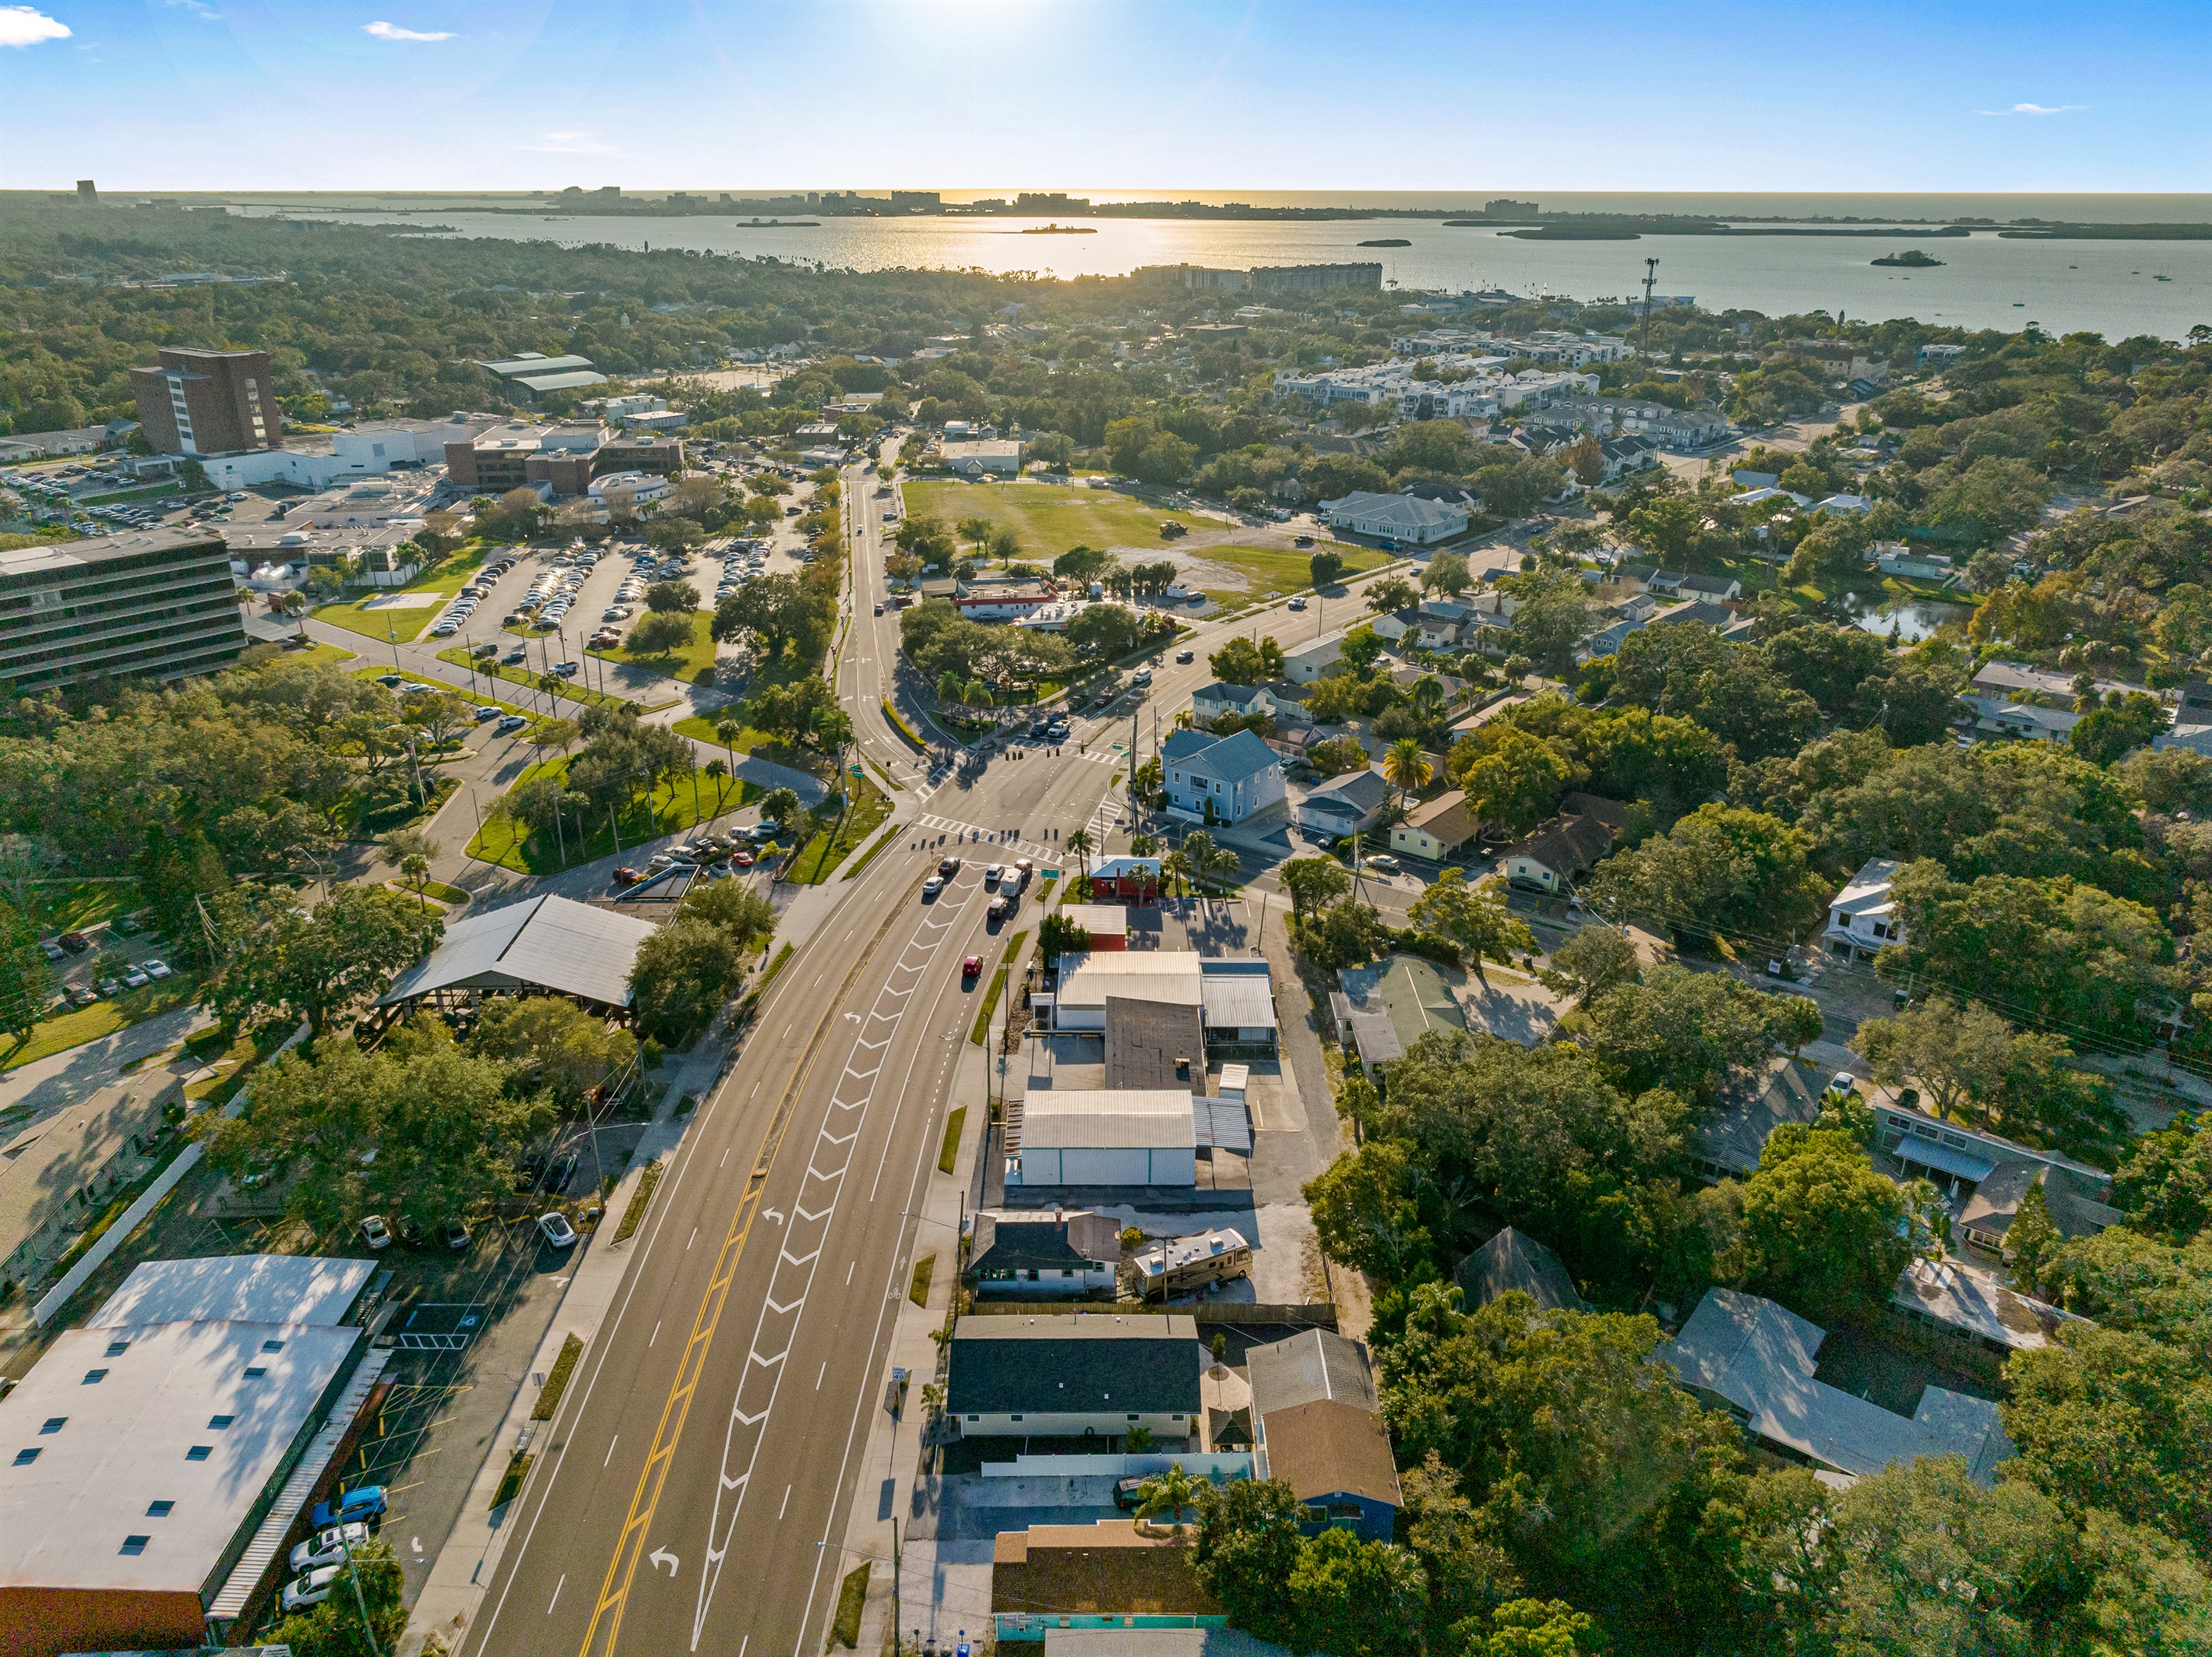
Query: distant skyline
[{"x": 1249, "y": 97}]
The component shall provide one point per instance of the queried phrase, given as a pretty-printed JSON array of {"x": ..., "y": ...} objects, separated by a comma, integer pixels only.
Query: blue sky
[{"x": 1105, "y": 95}]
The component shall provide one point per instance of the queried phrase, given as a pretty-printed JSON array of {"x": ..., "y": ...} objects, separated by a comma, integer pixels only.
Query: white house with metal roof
[{"x": 1863, "y": 916}]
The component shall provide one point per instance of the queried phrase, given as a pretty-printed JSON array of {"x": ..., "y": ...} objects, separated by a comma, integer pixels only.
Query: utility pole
[
  {"x": 896, "y": 1643},
  {"x": 1650, "y": 281}
]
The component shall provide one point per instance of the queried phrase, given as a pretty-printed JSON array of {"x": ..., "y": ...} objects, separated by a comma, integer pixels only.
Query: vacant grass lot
[
  {"x": 668, "y": 808},
  {"x": 1049, "y": 518},
  {"x": 1273, "y": 572},
  {"x": 445, "y": 577},
  {"x": 693, "y": 664}
]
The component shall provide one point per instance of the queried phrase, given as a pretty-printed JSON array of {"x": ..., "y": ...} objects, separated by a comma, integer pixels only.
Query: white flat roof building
[{"x": 1135, "y": 1137}]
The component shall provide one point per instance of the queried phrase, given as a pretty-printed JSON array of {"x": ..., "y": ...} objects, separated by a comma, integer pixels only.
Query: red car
[
  {"x": 742, "y": 858},
  {"x": 971, "y": 966},
  {"x": 627, "y": 876}
]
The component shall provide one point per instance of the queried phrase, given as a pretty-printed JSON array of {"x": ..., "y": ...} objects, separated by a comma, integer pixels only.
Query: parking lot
[{"x": 103, "y": 961}]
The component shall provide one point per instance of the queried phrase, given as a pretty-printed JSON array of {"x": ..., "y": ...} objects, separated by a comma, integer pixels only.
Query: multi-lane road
[{"x": 694, "y": 1486}]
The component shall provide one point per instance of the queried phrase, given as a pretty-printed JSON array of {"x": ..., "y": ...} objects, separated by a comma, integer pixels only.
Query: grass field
[
  {"x": 315, "y": 655},
  {"x": 1273, "y": 572},
  {"x": 667, "y": 809},
  {"x": 445, "y": 577},
  {"x": 693, "y": 664},
  {"x": 819, "y": 861},
  {"x": 1049, "y": 518},
  {"x": 103, "y": 1018},
  {"x": 568, "y": 690}
]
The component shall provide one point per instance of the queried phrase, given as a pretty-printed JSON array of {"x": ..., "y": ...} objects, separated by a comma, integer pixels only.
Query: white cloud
[
  {"x": 206, "y": 13},
  {"x": 393, "y": 32},
  {"x": 569, "y": 144},
  {"x": 24, "y": 25},
  {"x": 2035, "y": 109}
]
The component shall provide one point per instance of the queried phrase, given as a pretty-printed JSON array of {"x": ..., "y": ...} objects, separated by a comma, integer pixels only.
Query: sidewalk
[{"x": 470, "y": 1558}]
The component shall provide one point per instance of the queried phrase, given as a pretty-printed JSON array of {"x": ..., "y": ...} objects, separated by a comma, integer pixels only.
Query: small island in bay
[
  {"x": 1911, "y": 259},
  {"x": 1387, "y": 241},
  {"x": 1060, "y": 230}
]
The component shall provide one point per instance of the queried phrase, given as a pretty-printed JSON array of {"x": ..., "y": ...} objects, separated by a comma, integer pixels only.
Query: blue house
[
  {"x": 1319, "y": 1427},
  {"x": 1220, "y": 779}
]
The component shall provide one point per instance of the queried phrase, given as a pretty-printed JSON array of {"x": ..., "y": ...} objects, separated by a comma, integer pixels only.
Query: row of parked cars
[
  {"x": 713, "y": 852},
  {"x": 465, "y": 602},
  {"x": 341, "y": 1524}
]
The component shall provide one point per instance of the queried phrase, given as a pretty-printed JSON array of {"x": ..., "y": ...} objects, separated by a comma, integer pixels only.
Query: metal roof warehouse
[{"x": 542, "y": 945}]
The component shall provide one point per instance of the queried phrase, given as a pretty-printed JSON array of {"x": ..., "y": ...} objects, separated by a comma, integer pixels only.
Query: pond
[{"x": 1914, "y": 619}]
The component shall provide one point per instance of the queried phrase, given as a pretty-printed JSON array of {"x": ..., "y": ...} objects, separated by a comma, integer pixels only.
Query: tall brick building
[{"x": 194, "y": 402}]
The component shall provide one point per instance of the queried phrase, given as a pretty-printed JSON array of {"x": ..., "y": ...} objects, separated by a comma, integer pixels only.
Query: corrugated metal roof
[
  {"x": 545, "y": 944},
  {"x": 1238, "y": 1003},
  {"x": 1132, "y": 1119},
  {"x": 1139, "y": 975}
]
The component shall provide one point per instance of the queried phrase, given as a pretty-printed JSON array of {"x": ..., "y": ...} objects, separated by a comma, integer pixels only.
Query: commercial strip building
[
  {"x": 527, "y": 375},
  {"x": 154, "y": 604},
  {"x": 1237, "y": 996},
  {"x": 165, "y": 1451}
]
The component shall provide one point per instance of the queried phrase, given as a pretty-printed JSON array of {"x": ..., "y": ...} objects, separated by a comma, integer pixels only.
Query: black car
[
  {"x": 1129, "y": 1493},
  {"x": 1185, "y": 655},
  {"x": 529, "y": 1171},
  {"x": 948, "y": 867},
  {"x": 564, "y": 1170}
]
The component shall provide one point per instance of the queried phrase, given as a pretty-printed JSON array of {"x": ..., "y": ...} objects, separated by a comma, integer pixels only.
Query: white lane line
[
  {"x": 656, "y": 1333},
  {"x": 825, "y": 1370},
  {"x": 787, "y": 1503},
  {"x": 691, "y": 1240},
  {"x": 555, "y": 1600},
  {"x": 611, "y": 1442},
  {"x": 726, "y": 1155},
  {"x": 848, "y": 1274}
]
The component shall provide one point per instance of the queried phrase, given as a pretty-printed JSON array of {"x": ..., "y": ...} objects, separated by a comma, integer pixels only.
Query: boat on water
[{"x": 1060, "y": 230}]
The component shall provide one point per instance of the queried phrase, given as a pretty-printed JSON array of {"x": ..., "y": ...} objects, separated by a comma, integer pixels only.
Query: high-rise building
[
  {"x": 87, "y": 193},
  {"x": 155, "y": 604},
  {"x": 194, "y": 402}
]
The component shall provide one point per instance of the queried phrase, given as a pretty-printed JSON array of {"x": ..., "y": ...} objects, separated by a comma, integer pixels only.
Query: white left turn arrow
[
  {"x": 775, "y": 1214},
  {"x": 660, "y": 1556}
]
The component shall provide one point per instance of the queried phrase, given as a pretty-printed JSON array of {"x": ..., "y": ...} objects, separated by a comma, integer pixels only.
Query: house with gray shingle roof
[{"x": 1220, "y": 779}]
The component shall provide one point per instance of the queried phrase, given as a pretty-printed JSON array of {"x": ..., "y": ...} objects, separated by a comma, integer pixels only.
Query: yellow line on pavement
[{"x": 653, "y": 1477}]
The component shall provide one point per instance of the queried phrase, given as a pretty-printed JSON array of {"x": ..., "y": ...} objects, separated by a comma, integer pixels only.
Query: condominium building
[
  {"x": 156, "y": 604},
  {"x": 194, "y": 402}
]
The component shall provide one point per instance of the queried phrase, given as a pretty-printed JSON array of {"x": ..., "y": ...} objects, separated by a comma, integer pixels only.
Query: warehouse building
[
  {"x": 154, "y": 604},
  {"x": 164, "y": 1453},
  {"x": 1237, "y": 996}
]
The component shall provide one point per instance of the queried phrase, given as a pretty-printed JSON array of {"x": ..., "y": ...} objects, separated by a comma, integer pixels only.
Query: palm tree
[
  {"x": 949, "y": 687},
  {"x": 1170, "y": 1490},
  {"x": 1175, "y": 866},
  {"x": 1427, "y": 694},
  {"x": 727, "y": 726},
  {"x": 1407, "y": 768},
  {"x": 720, "y": 772}
]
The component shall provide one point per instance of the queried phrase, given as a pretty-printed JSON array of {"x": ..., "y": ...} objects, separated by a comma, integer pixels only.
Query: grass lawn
[
  {"x": 667, "y": 809},
  {"x": 315, "y": 655},
  {"x": 477, "y": 698},
  {"x": 72, "y": 905},
  {"x": 1273, "y": 572},
  {"x": 1051, "y": 517},
  {"x": 103, "y": 1018},
  {"x": 391, "y": 802},
  {"x": 693, "y": 664},
  {"x": 870, "y": 806},
  {"x": 445, "y": 577},
  {"x": 568, "y": 690}
]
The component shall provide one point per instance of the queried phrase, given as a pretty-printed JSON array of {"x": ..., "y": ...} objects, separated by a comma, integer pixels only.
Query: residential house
[
  {"x": 1853, "y": 504},
  {"x": 1730, "y": 1137},
  {"x": 1967, "y": 1317},
  {"x": 1999, "y": 678},
  {"x": 1320, "y": 1429},
  {"x": 1912, "y": 1143},
  {"x": 1074, "y": 1375},
  {"x": 1997, "y": 719},
  {"x": 1755, "y": 1360},
  {"x": 1344, "y": 805},
  {"x": 1863, "y": 916},
  {"x": 1382, "y": 1011},
  {"x": 2075, "y": 1202},
  {"x": 1513, "y": 1260},
  {"x": 1716, "y": 589},
  {"x": 1619, "y": 456},
  {"x": 1674, "y": 428},
  {"x": 1030, "y": 1257},
  {"x": 1395, "y": 518},
  {"x": 1312, "y": 662},
  {"x": 1568, "y": 847},
  {"x": 1220, "y": 779},
  {"x": 1210, "y": 702},
  {"x": 1428, "y": 626},
  {"x": 1437, "y": 829},
  {"x": 1900, "y": 560}
]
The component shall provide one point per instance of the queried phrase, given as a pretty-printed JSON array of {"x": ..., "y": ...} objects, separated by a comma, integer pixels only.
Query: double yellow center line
[{"x": 630, "y": 1546}]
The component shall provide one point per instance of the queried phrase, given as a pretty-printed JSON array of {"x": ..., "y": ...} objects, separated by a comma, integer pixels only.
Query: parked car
[
  {"x": 564, "y": 1170},
  {"x": 329, "y": 1547},
  {"x": 154, "y": 969},
  {"x": 489, "y": 711},
  {"x": 84, "y": 995},
  {"x": 76, "y": 942},
  {"x": 556, "y": 1230},
  {"x": 303, "y": 1591},
  {"x": 626, "y": 875},
  {"x": 364, "y": 1502},
  {"x": 510, "y": 722},
  {"x": 454, "y": 1235},
  {"x": 1129, "y": 1493},
  {"x": 1382, "y": 863},
  {"x": 134, "y": 979},
  {"x": 375, "y": 1232}
]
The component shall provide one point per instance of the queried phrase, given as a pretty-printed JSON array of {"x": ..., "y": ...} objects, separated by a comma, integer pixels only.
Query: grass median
[
  {"x": 869, "y": 805},
  {"x": 669, "y": 807}
]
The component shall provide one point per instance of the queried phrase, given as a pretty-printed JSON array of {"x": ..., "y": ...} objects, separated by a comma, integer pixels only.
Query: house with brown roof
[
  {"x": 1320, "y": 1427},
  {"x": 1568, "y": 847},
  {"x": 1048, "y": 1574},
  {"x": 1437, "y": 828}
]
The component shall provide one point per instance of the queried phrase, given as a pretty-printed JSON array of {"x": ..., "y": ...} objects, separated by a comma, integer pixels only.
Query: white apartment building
[{"x": 1863, "y": 916}]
